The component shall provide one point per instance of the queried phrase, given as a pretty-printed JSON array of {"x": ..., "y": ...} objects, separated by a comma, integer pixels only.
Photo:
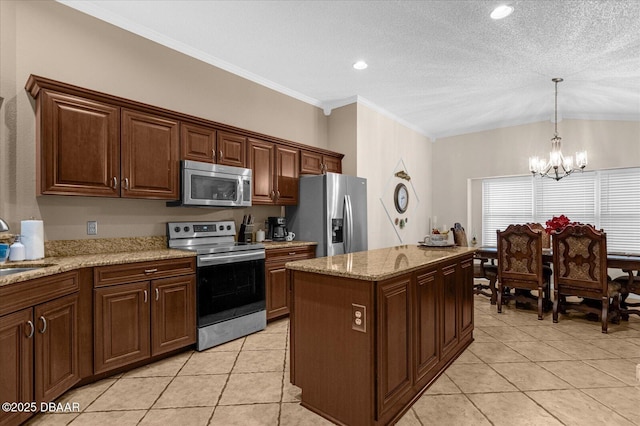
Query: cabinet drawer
[
  {"x": 26, "y": 294},
  {"x": 141, "y": 271},
  {"x": 289, "y": 254}
]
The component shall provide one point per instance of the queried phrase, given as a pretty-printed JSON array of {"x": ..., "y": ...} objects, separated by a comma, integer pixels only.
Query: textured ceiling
[{"x": 441, "y": 67}]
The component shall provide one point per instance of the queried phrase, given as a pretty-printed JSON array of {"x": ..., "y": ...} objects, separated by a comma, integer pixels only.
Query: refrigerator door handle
[{"x": 349, "y": 224}]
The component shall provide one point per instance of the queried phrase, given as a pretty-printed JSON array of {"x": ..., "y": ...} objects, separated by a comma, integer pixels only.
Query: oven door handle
[{"x": 234, "y": 257}]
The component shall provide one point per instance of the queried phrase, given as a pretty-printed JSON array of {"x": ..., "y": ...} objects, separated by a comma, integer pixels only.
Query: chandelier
[{"x": 558, "y": 166}]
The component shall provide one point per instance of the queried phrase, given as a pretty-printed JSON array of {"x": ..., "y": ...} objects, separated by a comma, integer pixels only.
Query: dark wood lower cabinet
[
  {"x": 277, "y": 290},
  {"x": 121, "y": 325},
  {"x": 16, "y": 359},
  {"x": 137, "y": 320},
  {"x": 38, "y": 355},
  {"x": 369, "y": 372},
  {"x": 56, "y": 350},
  {"x": 173, "y": 314}
]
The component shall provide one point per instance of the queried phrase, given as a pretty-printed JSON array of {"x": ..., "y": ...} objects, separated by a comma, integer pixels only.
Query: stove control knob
[
  {"x": 228, "y": 227},
  {"x": 186, "y": 229},
  {"x": 221, "y": 228},
  {"x": 176, "y": 229}
]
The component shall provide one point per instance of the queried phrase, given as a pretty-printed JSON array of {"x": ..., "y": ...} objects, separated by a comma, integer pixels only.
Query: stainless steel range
[{"x": 230, "y": 293}]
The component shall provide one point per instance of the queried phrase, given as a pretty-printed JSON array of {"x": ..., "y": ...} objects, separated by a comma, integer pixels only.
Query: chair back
[
  {"x": 520, "y": 257},
  {"x": 546, "y": 238},
  {"x": 459, "y": 235},
  {"x": 580, "y": 261}
]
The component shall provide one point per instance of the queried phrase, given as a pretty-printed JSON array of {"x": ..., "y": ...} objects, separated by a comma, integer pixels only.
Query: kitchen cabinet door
[
  {"x": 332, "y": 164},
  {"x": 287, "y": 176},
  {"x": 150, "y": 156},
  {"x": 197, "y": 143},
  {"x": 261, "y": 161},
  {"x": 316, "y": 164},
  {"x": 449, "y": 322},
  {"x": 173, "y": 313},
  {"x": 278, "y": 297},
  {"x": 56, "y": 347},
  {"x": 425, "y": 324},
  {"x": 465, "y": 284},
  {"x": 121, "y": 325},
  {"x": 394, "y": 362},
  {"x": 16, "y": 359},
  {"x": 80, "y": 146},
  {"x": 277, "y": 291},
  {"x": 231, "y": 149}
]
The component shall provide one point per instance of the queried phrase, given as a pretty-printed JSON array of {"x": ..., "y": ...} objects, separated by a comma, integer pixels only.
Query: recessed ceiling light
[
  {"x": 360, "y": 65},
  {"x": 501, "y": 11}
]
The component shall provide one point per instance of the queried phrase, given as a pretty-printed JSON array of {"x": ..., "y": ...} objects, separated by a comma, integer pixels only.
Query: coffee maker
[{"x": 277, "y": 228}]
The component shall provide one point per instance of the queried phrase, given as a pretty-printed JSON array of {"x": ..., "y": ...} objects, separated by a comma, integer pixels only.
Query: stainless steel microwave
[{"x": 213, "y": 185}]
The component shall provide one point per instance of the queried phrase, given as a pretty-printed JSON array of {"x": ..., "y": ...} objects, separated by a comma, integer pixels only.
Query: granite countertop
[
  {"x": 56, "y": 265},
  {"x": 376, "y": 265},
  {"x": 287, "y": 244},
  {"x": 64, "y": 255}
]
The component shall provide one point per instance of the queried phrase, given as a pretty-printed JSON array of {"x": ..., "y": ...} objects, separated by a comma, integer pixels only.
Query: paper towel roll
[{"x": 32, "y": 236}]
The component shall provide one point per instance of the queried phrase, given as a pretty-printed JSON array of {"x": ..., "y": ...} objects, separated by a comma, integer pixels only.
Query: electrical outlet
[
  {"x": 92, "y": 227},
  {"x": 359, "y": 318}
]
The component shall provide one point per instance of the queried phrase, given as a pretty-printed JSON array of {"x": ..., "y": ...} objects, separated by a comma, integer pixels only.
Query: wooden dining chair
[
  {"x": 580, "y": 269},
  {"x": 520, "y": 265},
  {"x": 628, "y": 284},
  {"x": 483, "y": 268}
]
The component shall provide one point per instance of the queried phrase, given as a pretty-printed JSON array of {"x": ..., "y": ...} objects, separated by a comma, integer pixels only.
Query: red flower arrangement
[{"x": 558, "y": 223}]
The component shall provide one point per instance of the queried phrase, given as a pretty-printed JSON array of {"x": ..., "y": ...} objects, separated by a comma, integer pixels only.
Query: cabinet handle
[
  {"x": 220, "y": 154},
  {"x": 273, "y": 195},
  {"x": 213, "y": 154},
  {"x": 291, "y": 253},
  {"x": 278, "y": 195},
  {"x": 145, "y": 296},
  {"x": 126, "y": 184},
  {"x": 33, "y": 329},
  {"x": 150, "y": 271},
  {"x": 115, "y": 182},
  {"x": 44, "y": 325},
  {"x": 157, "y": 295}
]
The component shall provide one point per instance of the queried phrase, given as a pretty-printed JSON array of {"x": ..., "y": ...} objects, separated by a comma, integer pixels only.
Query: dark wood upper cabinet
[
  {"x": 95, "y": 144},
  {"x": 79, "y": 150},
  {"x": 197, "y": 143},
  {"x": 275, "y": 173},
  {"x": 286, "y": 175},
  {"x": 231, "y": 149},
  {"x": 150, "y": 153},
  {"x": 261, "y": 161},
  {"x": 316, "y": 164}
]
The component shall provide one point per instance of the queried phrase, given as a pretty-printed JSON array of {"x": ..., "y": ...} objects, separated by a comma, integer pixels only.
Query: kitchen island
[{"x": 370, "y": 331}]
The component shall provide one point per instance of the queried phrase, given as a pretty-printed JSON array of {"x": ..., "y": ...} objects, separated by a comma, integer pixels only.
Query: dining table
[{"x": 627, "y": 262}]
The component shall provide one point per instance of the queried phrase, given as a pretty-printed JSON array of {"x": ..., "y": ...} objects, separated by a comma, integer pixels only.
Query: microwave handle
[{"x": 240, "y": 191}]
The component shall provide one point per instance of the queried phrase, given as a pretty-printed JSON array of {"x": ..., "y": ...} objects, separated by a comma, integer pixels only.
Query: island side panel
[{"x": 330, "y": 361}]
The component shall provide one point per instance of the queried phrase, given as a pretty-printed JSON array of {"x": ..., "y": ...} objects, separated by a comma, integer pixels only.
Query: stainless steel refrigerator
[{"x": 332, "y": 210}]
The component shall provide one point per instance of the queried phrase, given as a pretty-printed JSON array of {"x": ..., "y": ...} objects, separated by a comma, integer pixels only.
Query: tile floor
[{"x": 518, "y": 371}]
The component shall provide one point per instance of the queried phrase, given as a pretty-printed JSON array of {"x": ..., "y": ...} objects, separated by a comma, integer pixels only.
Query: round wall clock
[{"x": 401, "y": 198}]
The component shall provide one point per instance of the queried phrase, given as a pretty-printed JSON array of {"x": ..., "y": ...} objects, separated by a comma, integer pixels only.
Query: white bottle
[
  {"x": 260, "y": 235},
  {"x": 16, "y": 251}
]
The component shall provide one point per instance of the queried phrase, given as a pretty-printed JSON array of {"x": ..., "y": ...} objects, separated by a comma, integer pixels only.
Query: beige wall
[
  {"x": 54, "y": 41},
  {"x": 381, "y": 144},
  {"x": 461, "y": 160},
  {"x": 343, "y": 132}
]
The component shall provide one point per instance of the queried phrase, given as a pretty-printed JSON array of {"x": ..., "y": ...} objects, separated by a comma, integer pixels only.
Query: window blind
[
  {"x": 620, "y": 209},
  {"x": 574, "y": 197},
  {"x": 607, "y": 199},
  {"x": 505, "y": 201}
]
